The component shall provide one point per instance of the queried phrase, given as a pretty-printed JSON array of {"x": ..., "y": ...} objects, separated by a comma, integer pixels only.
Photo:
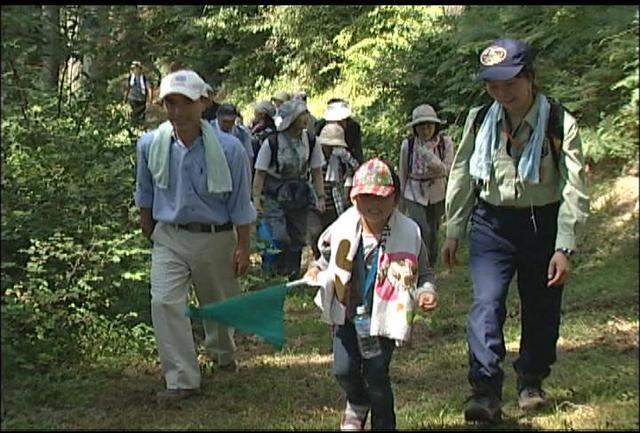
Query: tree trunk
[
  {"x": 53, "y": 51},
  {"x": 95, "y": 56}
]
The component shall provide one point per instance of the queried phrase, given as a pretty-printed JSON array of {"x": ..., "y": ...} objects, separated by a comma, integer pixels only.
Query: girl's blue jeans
[{"x": 365, "y": 382}]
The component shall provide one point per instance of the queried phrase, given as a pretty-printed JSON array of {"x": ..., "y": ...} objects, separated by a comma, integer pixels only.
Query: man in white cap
[{"x": 193, "y": 191}]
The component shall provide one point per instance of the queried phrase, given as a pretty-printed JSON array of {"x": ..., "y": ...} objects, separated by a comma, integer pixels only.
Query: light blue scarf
[
  {"x": 218, "y": 174},
  {"x": 487, "y": 140}
]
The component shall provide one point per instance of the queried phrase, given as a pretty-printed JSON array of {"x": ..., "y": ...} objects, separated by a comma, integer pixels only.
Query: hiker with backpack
[
  {"x": 138, "y": 92},
  {"x": 519, "y": 174},
  {"x": 425, "y": 161},
  {"x": 288, "y": 183}
]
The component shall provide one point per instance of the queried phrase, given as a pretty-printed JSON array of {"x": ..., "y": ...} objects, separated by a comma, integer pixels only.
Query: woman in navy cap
[{"x": 519, "y": 174}]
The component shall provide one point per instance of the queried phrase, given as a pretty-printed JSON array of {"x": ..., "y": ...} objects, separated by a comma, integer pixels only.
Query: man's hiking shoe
[
  {"x": 354, "y": 417},
  {"x": 483, "y": 408},
  {"x": 172, "y": 395},
  {"x": 531, "y": 398}
]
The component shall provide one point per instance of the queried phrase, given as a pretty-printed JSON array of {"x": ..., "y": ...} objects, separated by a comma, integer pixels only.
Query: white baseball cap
[{"x": 184, "y": 82}]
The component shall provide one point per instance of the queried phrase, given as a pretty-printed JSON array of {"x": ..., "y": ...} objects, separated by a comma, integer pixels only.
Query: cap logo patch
[{"x": 493, "y": 55}]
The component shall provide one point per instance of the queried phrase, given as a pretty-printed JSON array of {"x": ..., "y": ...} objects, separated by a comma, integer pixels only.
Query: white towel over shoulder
[{"x": 396, "y": 278}]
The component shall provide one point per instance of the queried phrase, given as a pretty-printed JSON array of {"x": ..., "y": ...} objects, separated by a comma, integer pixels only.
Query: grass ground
[{"x": 593, "y": 385}]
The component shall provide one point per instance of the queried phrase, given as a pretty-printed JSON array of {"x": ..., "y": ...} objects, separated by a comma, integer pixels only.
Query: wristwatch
[{"x": 566, "y": 251}]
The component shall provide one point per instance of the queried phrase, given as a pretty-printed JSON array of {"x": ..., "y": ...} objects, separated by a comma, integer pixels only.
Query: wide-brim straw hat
[
  {"x": 332, "y": 134},
  {"x": 424, "y": 113}
]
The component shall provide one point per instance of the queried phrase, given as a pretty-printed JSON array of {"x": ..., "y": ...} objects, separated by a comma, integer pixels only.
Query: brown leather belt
[{"x": 204, "y": 228}]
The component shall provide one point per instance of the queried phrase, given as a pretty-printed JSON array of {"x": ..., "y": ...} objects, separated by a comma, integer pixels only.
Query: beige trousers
[{"x": 179, "y": 258}]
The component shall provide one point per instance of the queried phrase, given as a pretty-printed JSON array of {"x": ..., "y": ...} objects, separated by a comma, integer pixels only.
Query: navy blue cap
[{"x": 504, "y": 59}]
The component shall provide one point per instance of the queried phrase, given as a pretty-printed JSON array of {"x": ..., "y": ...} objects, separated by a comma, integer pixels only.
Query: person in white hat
[
  {"x": 338, "y": 111},
  {"x": 138, "y": 92},
  {"x": 425, "y": 162},
  {"x": 193, "y": 191},
  {"x": 282, "y": 191}
]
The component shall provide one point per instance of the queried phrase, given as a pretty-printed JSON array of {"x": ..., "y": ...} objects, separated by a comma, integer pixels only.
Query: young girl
[{"x": 373, "y": 256}]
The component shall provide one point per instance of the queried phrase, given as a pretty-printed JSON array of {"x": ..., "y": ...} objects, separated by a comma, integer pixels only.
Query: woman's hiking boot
[
  {"x": 530, "y": 393},
  {"x": 483, "y": 407}
]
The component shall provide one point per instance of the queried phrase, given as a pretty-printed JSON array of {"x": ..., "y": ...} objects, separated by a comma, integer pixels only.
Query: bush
[{"x": 69, "y": 242}]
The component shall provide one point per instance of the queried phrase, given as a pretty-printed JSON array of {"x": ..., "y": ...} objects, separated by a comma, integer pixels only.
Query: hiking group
[{"x": 205, "y": 181}]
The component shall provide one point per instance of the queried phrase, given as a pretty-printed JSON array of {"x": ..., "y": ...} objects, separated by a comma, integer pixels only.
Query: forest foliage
[{"x": 72, "y": 255}]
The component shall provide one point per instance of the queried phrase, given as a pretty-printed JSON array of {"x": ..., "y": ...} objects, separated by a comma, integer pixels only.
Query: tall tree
[{"x": 52, "y": 55}]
